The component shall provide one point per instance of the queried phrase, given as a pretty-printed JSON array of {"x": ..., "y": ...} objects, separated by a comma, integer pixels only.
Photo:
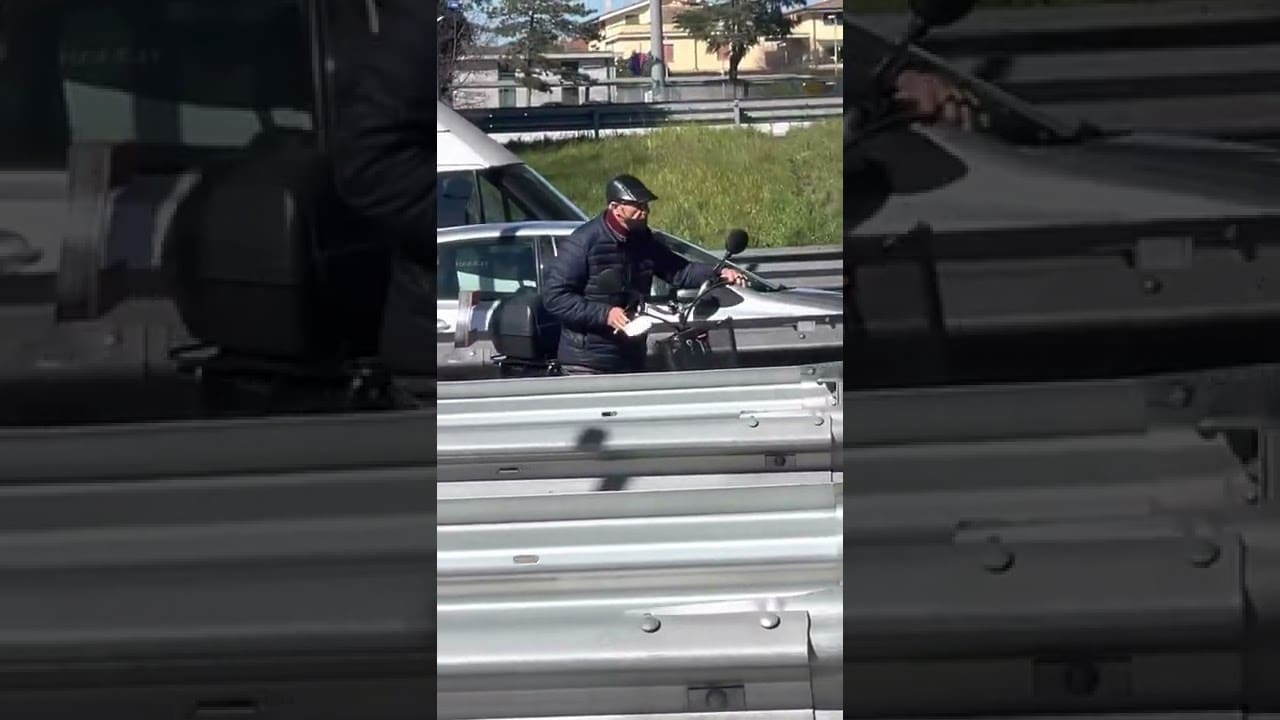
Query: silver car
[{"x": 489, "y": 262}]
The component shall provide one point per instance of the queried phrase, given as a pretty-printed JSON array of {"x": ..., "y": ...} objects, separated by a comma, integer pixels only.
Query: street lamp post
[{"x": 658, "y": 68}]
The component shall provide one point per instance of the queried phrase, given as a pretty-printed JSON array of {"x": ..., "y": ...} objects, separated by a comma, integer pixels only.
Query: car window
[
  {"x": 501, "y": 194},
  {"x": 496, "y": 206},
  {"x": 493, "y": 266}
]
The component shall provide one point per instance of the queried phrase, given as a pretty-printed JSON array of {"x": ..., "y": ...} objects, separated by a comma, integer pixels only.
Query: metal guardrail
[
  {"x": 596, "y": 118},
  {"x": 818, "y": 266},
  {"x": 714, "y": 422},
  {"x": 694, "y": 597},
  {"x": 985, "y": 526},
  {"x": 594, "y": 560}
]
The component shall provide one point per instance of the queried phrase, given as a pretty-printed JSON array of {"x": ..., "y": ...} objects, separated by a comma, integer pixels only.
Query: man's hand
[
  {"x": 733, "y": 276},
  {"x": 937, "y": 99},
  {"x": 618, "y": 318}
]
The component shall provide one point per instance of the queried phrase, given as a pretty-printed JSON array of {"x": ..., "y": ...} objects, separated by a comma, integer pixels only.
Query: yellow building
[
  {"x": 814, "y": 41},
  {"x": 818, "y": 33}
]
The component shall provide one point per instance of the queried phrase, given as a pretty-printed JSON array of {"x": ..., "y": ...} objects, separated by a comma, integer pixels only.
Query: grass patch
[{"x": 784, "y": 191}]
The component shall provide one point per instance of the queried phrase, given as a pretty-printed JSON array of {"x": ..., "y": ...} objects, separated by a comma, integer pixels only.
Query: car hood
[
  {"x": 805, "y": 301},
  {"x": 1119, "y": 179}
]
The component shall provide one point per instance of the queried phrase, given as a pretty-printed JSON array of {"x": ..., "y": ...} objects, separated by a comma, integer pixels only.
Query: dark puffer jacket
[{"x": 573, "y": 296}]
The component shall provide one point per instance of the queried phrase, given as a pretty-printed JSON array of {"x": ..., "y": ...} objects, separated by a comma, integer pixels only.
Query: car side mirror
[{"x": 736, "y": 242}]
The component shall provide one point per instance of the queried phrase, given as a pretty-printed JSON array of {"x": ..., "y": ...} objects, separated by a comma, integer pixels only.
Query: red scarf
[{"x": 615, "y": 226}]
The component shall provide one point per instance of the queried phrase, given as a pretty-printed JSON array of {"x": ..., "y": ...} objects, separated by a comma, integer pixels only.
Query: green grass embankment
[{"x": 785, "y": 191}]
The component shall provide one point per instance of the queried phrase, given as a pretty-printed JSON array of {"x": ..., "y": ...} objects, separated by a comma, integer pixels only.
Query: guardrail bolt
[
  {"x": 650, "y": 624},
  {"x": 1204, "y": 553},
  {"x": 770, "y": 621},
  {"x": 752, "y": 422},
  {"x": 717, "y": 699},
  {"x": 818, "y": 421},
  {"x": 1151, "y": 286}
]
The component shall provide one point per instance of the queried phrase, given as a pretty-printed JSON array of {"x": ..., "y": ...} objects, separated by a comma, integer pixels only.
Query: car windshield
[
  {"x": 509, "y": 193},
  {"x": 1012, "y": 119},
  {"x": 689, "y": 251}
]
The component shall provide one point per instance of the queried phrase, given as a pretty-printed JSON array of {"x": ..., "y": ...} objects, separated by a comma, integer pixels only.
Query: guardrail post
[
  {"x": 595, "y": 123},
  {"x": 737, "y": 112}
]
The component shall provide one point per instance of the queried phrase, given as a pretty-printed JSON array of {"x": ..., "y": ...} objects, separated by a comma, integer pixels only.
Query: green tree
[
  {"x": 737, "y": 25},
  {"x": 456, "y": 38},
  {"x": 534, "y": 28}
]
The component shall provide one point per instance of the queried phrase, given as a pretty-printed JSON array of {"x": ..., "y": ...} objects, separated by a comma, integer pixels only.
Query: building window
[
  {"x": 631, "y": 20},
  {"x": 834, "y": 18}
]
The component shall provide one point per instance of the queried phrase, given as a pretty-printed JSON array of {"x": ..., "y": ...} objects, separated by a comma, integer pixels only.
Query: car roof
[
  {"x": 558, "y": 228},
  {"x": 461, "y": 145}
]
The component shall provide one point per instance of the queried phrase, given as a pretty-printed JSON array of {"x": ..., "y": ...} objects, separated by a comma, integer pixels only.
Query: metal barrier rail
[
  {"x": 595, "y": 118},
  {"x": 628, "y": 544},
  {"x": 705, "y": 595},
  {"x": 614, "y": 428},
  {"x": 651, "y": 543},
  {"x": 941, "y": 627},
  {"x": 818, "y": 266}
]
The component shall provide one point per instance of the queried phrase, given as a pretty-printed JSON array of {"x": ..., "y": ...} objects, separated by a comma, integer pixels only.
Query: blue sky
[{"x": 597, "y": 6}]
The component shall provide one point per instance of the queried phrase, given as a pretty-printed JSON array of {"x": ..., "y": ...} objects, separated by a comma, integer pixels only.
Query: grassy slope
[{"x": 784, "y": 191}]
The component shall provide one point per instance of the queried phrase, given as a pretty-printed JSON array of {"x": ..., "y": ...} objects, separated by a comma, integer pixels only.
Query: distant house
[
  {"x": 485, "y": 80},
  {"x": 818, "y": 33},
  {"x": 815, "y": 39}
]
